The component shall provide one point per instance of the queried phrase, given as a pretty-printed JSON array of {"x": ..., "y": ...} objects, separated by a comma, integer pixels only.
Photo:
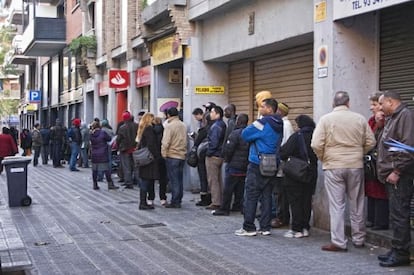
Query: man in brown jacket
[
  {"x": 174, "y": 150},
  {"x": 340, "y": 140},
  {"x": 396, "y": 171}
]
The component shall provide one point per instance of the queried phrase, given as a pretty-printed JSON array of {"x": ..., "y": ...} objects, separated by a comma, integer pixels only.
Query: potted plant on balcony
[
  {"x": 83, "y": 46},
  {"x": 84, "y": 49}
]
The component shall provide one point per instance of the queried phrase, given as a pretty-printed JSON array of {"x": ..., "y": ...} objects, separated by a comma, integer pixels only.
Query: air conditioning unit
[{"x": 175, "y": 76}]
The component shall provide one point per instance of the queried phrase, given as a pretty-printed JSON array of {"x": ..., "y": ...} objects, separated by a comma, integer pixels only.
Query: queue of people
[{"x": 340, "y": 140}]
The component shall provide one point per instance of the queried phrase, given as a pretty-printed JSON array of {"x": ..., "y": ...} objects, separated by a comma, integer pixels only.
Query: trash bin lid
[{"x": 16, "y": 159}]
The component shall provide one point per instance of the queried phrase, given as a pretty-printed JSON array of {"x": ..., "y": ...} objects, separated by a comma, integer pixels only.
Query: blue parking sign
[{"x": 34, "y": 96}]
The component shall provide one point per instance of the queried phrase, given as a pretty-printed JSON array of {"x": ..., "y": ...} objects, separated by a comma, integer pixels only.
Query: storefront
[
  {"x": 142, "y": 83},
  {"x": 167, "y": 60}
]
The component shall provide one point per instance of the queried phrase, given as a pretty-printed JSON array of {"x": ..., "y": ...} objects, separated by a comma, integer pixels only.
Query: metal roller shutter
[
  {"x": 239, "y": 87},
  {"x": 397, "y": 51},
  {"x": 288, "y": 75}
]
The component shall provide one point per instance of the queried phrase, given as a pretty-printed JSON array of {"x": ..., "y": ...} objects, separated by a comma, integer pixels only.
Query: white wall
[{"x": 227, "y": 32}]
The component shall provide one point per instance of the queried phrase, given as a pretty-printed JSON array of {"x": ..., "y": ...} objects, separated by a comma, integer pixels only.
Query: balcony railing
[{"x": 44, "y": 37}]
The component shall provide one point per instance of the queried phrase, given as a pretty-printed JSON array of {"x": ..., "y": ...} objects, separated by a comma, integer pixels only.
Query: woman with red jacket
[
  {"x": 7, "y": 146},
  {"x": 378, "y": 210}
]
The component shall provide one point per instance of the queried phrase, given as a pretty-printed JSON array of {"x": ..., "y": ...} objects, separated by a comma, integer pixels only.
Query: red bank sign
[
  {"x": 118, "y": 79},
  {"x": 143, "y": 76}
]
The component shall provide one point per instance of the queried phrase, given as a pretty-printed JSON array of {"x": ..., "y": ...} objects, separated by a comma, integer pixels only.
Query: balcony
[
  {"x": 15, "y": 55},
  {"x": 15, "y": 15},
  {"x": 44, "y": 36},
  {"x": 158, "y": 10}
]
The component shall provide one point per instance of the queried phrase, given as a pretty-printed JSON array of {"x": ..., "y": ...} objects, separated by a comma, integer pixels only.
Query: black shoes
[
  {"x": 129, "y": 186},
  {"x": 220, "y": 212},
  {"x": 384, "y": 257},
  {"x": 202, "y": 203},
  {"x": 377, "y": 228},
  {"x": 170, "y": 205},
  {"x": 395, "y": 261},
  {"x": 112, "y": 187},
  {"x": 391, "y": 259},
  {"x": 145, "y": 207}
]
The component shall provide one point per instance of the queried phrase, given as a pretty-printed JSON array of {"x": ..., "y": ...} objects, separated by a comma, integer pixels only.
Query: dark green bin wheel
[{"x": 26, "y": 201}]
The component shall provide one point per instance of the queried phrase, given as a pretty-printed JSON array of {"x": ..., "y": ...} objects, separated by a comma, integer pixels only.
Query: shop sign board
[
  {"x": 166, "y": 49},
  {"x": 118, "y": 79},
  {"x": 347, "y": 8},
  {"x": 143, "y": 77},
  {"x": 209, "y": 89},
  {"x": 320, "y": 11},
  {"x": 31, "y": 107}
]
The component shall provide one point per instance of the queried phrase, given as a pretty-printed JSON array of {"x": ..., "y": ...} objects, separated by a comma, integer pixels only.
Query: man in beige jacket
[
  {"x": 340, "y": 141},
  {"x": 174, "y": 150}
]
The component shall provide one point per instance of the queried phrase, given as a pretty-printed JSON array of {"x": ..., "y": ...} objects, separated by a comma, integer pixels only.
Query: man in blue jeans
[
  {"x": 264, "y": 136},
  {"x": 174, "y": 150}
]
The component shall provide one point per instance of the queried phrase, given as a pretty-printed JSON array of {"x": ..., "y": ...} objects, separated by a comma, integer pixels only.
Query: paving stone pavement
[{"x": 72, "y": 229}]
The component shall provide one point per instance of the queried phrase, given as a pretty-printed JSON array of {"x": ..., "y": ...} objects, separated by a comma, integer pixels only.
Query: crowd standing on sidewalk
[{"x": 339, "y": 140}]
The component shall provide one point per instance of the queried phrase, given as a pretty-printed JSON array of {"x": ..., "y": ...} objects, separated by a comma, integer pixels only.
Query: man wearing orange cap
[
  {"x": 75, "y": 140},
  {"x": 260, "y": 96}
]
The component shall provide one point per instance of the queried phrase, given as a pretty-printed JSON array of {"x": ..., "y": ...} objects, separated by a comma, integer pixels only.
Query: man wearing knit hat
[
  {"x": 282, "y": 206},
  {"x": 126, "y": 145},
  {"x": 75, "y": 141}
]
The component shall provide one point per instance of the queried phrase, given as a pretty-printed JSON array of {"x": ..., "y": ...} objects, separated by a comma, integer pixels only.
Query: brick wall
[
  {"x": 73, "y": 21},
  {"x": 109, "y": 30},
  {"x": 185, "y": 29}
]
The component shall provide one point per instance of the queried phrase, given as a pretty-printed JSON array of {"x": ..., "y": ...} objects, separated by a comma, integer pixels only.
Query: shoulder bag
[
  {"x": 142, "y": 157},
  {"x": 267, "y": 163},
  {"x": 192, "y": 158},
  {"x": 296, "y": 168},
  {"x": 370, "y": 165}
]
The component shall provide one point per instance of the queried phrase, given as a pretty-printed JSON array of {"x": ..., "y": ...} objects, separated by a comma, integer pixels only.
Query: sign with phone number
[
  {"x": 209, "y": 89},
  {"x": 346, "y": 8}
]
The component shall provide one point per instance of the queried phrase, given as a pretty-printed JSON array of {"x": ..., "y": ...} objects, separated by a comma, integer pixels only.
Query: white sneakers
[
  {"x": 288, "y": 234},
  {"x": 295, "y": 234},
  {"x": 163, "y": 202},
  {"x": 242, "y": 232},
  {"x": 264, "y": 233}
]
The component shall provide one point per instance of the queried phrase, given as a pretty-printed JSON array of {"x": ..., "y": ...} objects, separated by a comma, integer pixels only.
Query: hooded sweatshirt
[{"x": 266, "y": 133}]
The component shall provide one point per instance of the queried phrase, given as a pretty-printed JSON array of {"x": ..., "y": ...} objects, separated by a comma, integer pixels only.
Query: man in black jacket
[
  {"x": 235, "y": 154},
  {"x": 126, "y": 145},
  {"x": 396, "y": 171},
  {"x": 57, "y": 139},
  {"x": 214, "y": 160}
]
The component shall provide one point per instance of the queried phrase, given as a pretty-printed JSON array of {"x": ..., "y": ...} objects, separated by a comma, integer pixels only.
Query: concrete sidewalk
[{"x": 72, "y": 229}]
